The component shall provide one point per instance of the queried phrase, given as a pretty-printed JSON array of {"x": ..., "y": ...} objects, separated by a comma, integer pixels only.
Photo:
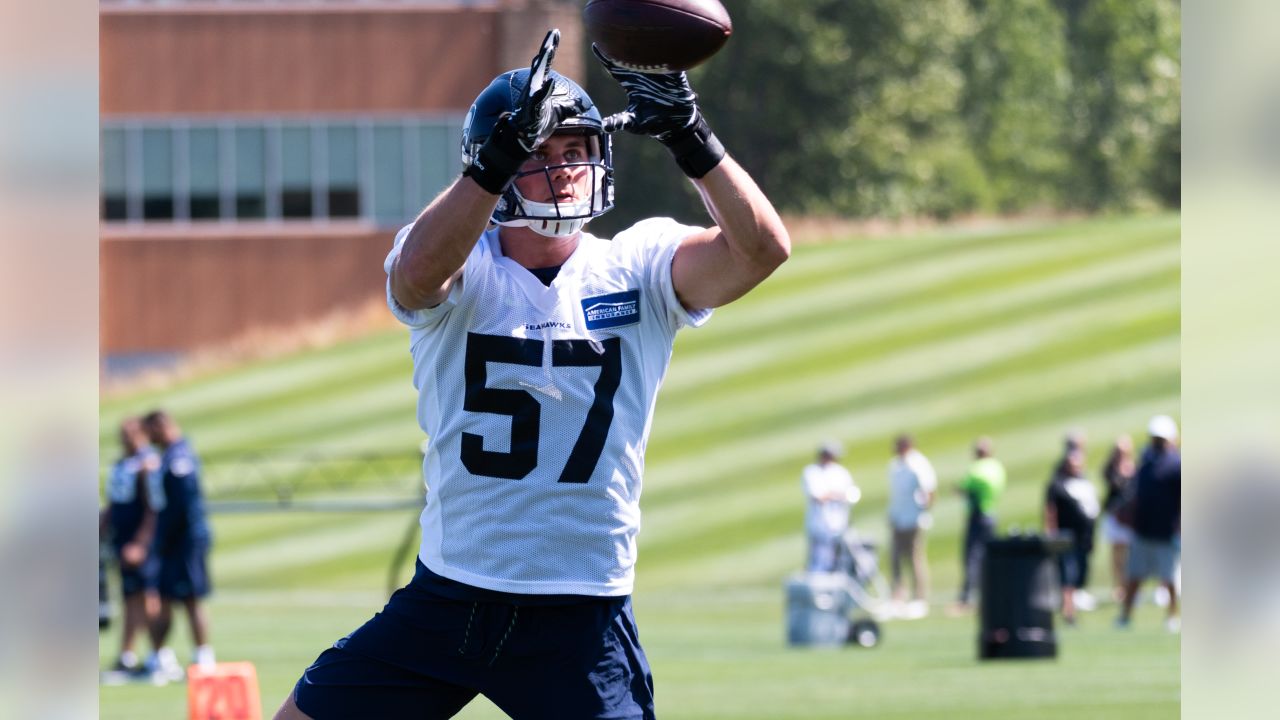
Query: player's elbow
[
  {"x": 771, "y": 249},
  {"x": 774, "y": 247},
  {"x": 417, "y": 293}
]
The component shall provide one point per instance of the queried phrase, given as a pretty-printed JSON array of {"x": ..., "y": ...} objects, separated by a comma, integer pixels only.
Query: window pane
[
  {"x": 157, "y": 174},
  {"x": 295, "y": 171},
  {"x": 251, "y": 173},
  {"x": 388, "y": 173},
  {"x": 114, "y": 175},
  {"x": 202, "y": 144},
  {"x": 438, "y": 146},
  {"x": 344, "y": 172}
]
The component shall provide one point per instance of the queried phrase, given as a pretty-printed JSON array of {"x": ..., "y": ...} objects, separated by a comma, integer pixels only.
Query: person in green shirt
[{"x": 982, "y": 486}]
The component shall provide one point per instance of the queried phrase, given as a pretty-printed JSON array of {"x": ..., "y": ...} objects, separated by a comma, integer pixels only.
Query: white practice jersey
[
  {"x": 537, "y": 402},
  {"x": 911, "y": 480},
  {"x": 828, "y": 518}
]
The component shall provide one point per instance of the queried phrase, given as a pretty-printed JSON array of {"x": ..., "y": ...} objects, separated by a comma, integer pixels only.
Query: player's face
[
  {"x": 154, "y": 431},
  {"x": 132, "y": 438},
  {"x": 558, "y": 184}
]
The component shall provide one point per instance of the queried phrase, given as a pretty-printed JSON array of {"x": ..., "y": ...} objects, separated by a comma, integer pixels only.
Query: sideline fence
[{"x": 313, "y": 481}]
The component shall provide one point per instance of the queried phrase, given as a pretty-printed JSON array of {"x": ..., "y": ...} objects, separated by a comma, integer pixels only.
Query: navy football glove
[
  {"x": 663, "y": 106},
  {"x": 542, "y": 105}
]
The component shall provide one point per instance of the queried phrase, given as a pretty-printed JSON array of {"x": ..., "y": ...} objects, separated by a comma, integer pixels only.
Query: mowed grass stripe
[
  {"x": 756, "y": 396},
  {"x": 926, "y": 400},
  {"x": 931, "y": 282},
  {"x": 843, "y": 329},
  {"x": 233, "y": 388},
  {"x": 762, "y": 415},
  {"x": 339, "y": 544},
  {"x": 702, "y": 479},
  {"x": 319, "y": 417},
  {"x": 1055, "y": 395},
  {"x": 849, "y": 259},
  {"x": 357, "y": 378},
  {"x": 227, "y": 404},
  {"x": 847, "y": 339}
]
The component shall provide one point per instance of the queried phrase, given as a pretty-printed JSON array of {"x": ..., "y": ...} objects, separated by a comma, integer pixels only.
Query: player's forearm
[
  {"x": 755, "y": 235},
  {"x": 146, "y": 529},
  {"x": 438, "y": 244},
  {"x": 722, "y": 264}
]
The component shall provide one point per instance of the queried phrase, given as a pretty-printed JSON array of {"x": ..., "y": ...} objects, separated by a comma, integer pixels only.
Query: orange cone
[{"x": 226, "y": 691}]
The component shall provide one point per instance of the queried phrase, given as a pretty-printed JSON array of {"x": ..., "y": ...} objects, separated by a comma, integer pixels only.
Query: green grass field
[{"x": 1018, "y": 334}]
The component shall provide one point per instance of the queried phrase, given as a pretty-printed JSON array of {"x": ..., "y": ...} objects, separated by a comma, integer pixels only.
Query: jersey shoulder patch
[
  {"x": 182, "y": 466},
  {"x": 612, "y": 310}
]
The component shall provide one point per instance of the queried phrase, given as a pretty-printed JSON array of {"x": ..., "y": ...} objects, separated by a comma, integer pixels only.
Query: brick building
[{"x": 258, "y": 155}]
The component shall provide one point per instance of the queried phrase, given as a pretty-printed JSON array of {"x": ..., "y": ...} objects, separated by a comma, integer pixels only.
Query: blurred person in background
[
  {"x": 1072, "y": 508},
  {"x": 1157, "y": 520},
  {"x": 1117, "y": 531},
  {"x": 830, "y": 492},
  {"x": 912, "y": 486},
  {"x": 180, "y": 551},
  {"x": 129, "y": 523},
  {"x": 982, "y": 487}
]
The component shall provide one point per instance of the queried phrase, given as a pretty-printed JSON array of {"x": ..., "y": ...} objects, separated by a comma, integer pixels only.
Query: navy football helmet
[{"x": 555, "y": 218}]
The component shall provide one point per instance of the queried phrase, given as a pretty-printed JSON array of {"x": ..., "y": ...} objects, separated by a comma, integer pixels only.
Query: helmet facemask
[{"x": 593, "y": 194}]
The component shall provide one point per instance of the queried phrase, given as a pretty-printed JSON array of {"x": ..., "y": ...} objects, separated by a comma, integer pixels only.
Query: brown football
[{"x": 658, "y": 35}]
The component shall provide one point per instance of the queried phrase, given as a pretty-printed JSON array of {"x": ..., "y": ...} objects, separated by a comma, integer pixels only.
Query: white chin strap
[{"x": 546, "y": 222}]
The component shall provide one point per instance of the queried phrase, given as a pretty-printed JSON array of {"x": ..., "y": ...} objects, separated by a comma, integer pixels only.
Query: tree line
[{"x": 898, "y": 108}]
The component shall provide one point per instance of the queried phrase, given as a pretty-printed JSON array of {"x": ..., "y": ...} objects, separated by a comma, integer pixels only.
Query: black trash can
[{"x": 1019, "y": 597}]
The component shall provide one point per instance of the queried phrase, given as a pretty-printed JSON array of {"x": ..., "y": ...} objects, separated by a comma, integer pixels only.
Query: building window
[
  {"x": 388, "y": 173},
  {"x": 275, "y": 169},
  {"x": 157, "y": 174},
  {"x": 344, "y": 172},
  {"x": 295, "y": 173},
  {"x": 204, "y": 170},
  {"x": 251, "y": 173},
  {"x": 115, "y": 184}
]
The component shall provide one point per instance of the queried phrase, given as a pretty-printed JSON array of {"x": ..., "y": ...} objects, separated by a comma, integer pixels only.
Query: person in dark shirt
[
  {"x": 129, "y": 522},
  {"x": 1157, "y": 519},
  {"x": 1072, "y": 508},
  {"x": 1117, "y": 530},
  {"x": 181, "y": 546}
]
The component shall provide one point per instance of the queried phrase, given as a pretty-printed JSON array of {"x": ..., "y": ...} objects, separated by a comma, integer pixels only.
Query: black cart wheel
[{"x": 865, "y": 633}]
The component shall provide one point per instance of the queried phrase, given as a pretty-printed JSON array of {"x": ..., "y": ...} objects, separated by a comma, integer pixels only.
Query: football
[{"x": 658, "y": 35}]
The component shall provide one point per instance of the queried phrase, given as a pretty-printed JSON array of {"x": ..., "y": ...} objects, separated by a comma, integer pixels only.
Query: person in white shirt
[
  {"x": 912, "y": 484},
  {"x": 830, "y": 490}
]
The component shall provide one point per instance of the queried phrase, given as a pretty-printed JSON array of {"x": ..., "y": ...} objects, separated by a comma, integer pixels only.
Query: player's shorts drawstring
[
  {"x": 462, "y": 649},
  {"x": 515, "y": 612}
]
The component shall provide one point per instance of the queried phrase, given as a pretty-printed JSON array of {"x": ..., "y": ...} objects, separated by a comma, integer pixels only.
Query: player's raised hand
[
  {"x": 544, "y": 101},
  {"x": 659, "y": 104},
  {"x": 664, "y": 106}
]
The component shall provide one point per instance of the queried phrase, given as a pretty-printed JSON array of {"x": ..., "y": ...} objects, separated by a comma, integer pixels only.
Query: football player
[
  {"x": 129, "y": 521},
  {"x": 538, "y": 350},
  {"x": 181, "y": 548}
]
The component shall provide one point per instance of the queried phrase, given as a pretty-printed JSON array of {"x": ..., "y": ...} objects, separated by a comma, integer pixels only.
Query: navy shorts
[
  {"x": 426, "y": 655},
  {"x": 1073, "y": 567},
  {"x": 134, "y": 580},
  {"x": 180, "y": 573}
]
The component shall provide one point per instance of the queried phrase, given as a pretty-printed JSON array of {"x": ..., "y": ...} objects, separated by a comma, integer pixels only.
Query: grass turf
[{"x": 1016, "y": 334}]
